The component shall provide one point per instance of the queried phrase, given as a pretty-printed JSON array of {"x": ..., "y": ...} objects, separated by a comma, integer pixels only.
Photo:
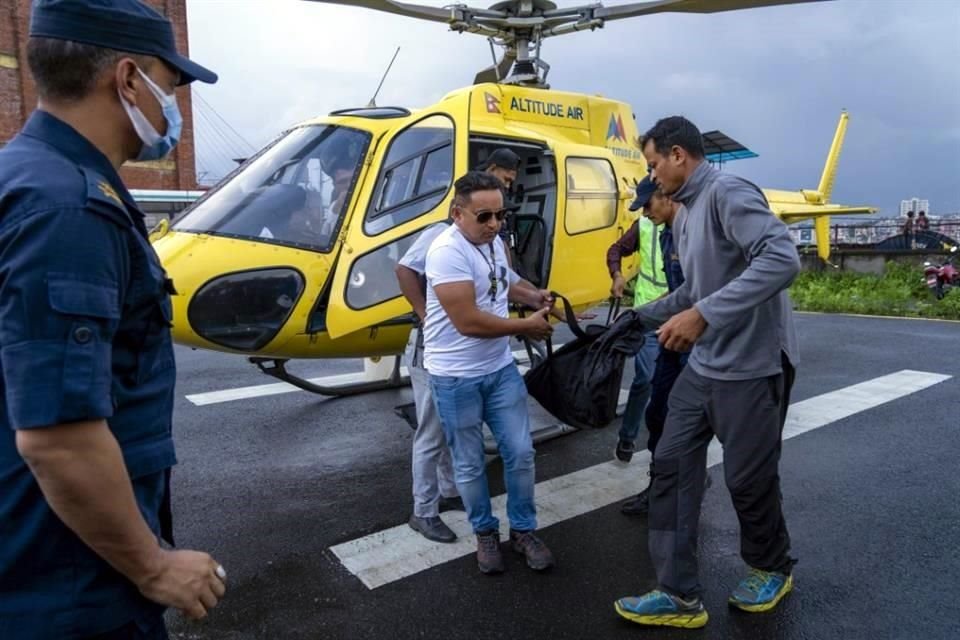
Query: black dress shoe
[
  {"x": 638, "y": 505},
  {"x": 452, "y": 504},
  {"x": 432, "y": 529}
]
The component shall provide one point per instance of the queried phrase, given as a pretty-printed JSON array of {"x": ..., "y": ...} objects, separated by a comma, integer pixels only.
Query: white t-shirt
[
  {"x": 416, "y": 256},
  {"x": 453, "y": 258}
]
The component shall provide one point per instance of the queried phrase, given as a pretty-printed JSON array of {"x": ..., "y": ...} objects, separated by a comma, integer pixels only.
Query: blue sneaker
[
  {"x": 761, "y": 590},
  {"x": 661, "y": 609}
]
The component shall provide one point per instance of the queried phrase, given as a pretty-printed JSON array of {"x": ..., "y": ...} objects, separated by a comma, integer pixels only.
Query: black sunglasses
[{"x": 483, "y": 217}]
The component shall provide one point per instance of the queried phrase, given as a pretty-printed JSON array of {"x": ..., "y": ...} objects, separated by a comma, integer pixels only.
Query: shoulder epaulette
[{"x": 103, "y": 198}]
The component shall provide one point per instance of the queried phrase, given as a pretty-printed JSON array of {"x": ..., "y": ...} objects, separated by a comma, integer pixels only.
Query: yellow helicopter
[{"x": 292, "y": 255}]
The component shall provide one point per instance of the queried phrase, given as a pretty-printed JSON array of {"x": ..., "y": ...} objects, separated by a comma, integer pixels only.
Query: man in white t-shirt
[
  {"x": 473, "y": 376},
  {"x": 433, "y": 486}
]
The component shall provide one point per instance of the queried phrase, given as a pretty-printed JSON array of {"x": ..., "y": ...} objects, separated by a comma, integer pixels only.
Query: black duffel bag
[{"x": 579, "y": 384}]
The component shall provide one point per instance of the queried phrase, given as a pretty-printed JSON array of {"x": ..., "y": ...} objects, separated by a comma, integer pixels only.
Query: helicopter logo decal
[
  {"x": 615, "y": 128},
  {"x": 493, "y": 102}
]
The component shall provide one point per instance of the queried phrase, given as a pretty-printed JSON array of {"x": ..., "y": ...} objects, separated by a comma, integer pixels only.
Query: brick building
[{"x": 18, "y": 96}]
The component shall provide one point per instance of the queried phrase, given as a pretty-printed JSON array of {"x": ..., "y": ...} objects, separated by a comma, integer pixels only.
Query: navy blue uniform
[
  {"x": 84, "y": 335},
  {"x": 669, "y": 363}
]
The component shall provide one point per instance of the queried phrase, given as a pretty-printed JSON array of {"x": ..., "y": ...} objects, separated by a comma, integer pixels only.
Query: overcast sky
[{"x": 775, "y": 79}]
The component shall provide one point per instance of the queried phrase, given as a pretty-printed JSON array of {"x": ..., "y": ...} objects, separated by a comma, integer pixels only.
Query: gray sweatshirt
[{"x": 738, "y": 260}]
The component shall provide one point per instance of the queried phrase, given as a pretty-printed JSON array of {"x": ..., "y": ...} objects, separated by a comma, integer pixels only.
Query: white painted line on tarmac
[
  {"x": 277, "y": 388},
  {"x": 396, "y": 553}
]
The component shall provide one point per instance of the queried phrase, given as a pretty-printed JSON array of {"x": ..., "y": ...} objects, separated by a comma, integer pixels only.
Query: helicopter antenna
[{"x": 373, "y": 100}]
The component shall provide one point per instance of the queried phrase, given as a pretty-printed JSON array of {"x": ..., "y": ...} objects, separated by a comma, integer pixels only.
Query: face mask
[{"x": 155, "y": 146}]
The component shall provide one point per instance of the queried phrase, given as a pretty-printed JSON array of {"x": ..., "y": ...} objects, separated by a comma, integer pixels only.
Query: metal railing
[{"x": 885, "y": 234}]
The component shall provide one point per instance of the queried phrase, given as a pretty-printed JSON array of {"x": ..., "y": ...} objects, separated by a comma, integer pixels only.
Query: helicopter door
[
  {"x": 413, "y": 189},
  {"x": 586, "y": 222},
  {"x": 534, "y": 191}
]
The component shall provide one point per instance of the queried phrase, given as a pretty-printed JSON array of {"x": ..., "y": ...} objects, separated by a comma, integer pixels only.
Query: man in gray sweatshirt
[{"x": 733, "y": 309}]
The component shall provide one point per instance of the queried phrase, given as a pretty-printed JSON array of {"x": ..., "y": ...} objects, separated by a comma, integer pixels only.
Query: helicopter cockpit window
[
  {"x": 416, "y": 175},
  {"x": 295, "y": 193},
  {"x": 591, "y": 195}
]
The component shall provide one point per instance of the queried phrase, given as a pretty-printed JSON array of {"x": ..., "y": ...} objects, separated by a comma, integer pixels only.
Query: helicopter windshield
[{"x": 294, "y": 193}]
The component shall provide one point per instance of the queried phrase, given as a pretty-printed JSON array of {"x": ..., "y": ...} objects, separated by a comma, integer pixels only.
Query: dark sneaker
[
  {"x": 761, "y": 590},
  {"x": 624, "y": 451},
  {"x": 432, "y": 529},
  {"x": 660, "y": 609},
  {"x": 452, "y": 504},
  {"x": 489, "y": 558},
  {"x": 638, "y": 505},
  {"x": 537, "y": 554}
]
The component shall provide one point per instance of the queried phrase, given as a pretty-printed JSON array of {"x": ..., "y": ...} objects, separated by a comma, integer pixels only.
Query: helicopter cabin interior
[{"x": 535, "y": 191}]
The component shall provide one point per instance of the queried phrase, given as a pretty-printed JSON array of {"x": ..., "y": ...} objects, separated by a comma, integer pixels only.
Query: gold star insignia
[{"x": 109, "y": 191}]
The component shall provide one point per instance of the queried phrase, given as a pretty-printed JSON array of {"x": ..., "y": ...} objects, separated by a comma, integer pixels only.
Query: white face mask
[{"x": 155, "y": 146}]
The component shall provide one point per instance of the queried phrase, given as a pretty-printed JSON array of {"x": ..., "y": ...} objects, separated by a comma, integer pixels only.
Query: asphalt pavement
[{"x": 277, "y": 486}]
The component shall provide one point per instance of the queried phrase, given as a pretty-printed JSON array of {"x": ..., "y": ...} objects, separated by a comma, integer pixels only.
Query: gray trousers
[
  {"x": 432, "y": 465},
  {"x": 747, "y": 417}
]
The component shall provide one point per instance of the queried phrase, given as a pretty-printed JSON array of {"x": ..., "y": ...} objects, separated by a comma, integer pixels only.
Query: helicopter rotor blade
[
  {"x": 407, "y": 9},
  {"x": 685, "y": 6}
]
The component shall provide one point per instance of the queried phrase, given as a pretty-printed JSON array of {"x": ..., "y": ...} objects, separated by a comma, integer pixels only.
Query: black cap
[
  {"x": 503, "y": 158},
  {"x": 645, "y": 190},
  {"x": 125, "y": 25}
]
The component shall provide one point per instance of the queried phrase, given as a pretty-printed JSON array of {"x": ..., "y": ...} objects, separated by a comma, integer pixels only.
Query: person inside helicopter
[
  {"x": 294, "y": 193},
  {"x": 504, "y": 164},
  {"x": 339, "y": 162}
]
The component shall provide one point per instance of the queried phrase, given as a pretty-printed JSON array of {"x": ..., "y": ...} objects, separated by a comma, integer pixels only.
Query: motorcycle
[{"x": 940, "y": 278}]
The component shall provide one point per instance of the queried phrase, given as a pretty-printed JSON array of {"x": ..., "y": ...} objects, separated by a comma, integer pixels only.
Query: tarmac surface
[{"x": 280, "y": 487}]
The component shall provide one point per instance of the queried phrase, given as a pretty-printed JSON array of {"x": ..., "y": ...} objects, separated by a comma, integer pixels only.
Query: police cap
[
  {"x": 645, "y": 190},
  {"x": 124, "y": 25}
]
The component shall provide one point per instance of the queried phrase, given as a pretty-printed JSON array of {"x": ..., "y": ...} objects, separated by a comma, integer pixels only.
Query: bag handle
[
  {"x": 614, "y": 310},
  {"x": 570, "y": 316},
  {"x": 528, "y": 344}
]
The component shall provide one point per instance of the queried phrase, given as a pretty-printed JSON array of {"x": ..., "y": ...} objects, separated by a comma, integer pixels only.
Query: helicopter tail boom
[{"x": 792, "y": 206}]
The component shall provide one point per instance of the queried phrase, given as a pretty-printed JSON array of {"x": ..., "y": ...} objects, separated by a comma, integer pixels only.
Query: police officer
[
  {"x": 643, "y": 239},
  {"x": 87, "y": 375}
]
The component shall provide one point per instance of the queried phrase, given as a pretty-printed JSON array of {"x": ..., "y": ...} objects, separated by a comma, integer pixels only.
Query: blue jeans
[
  {"x": 500, "y": 400},
  {"x": 669, "y": 366},
  {"x": 644, "y": 362}
]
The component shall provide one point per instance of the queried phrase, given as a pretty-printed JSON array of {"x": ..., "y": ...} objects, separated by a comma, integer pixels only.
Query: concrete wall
[{"x": 861, "y": 261}]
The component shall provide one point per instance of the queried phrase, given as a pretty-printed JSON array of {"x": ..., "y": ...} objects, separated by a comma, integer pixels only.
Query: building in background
[
  {"x": 914, "y": 204},
  {"x": 176, "y": 172}
]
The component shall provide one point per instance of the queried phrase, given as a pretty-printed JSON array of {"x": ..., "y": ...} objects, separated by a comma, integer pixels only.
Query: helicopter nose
[{"x": 233, "y": 294}]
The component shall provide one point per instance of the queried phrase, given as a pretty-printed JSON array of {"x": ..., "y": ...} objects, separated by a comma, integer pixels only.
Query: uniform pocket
[
  {"x": 93, "y": 310},
  {"x": 87, "y": 299}
]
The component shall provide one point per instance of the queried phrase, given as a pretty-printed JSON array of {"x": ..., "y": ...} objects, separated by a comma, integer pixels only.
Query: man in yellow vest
[{"x": 651, "y": 283}]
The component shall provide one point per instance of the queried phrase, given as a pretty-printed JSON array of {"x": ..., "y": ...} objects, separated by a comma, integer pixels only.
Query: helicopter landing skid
[
  {"x": 276, "y": 368},
  {"x": 537, "y": 435}
]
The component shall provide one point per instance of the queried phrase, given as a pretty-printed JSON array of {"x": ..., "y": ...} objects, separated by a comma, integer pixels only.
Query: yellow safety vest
[{"x": 651, "y": 282}]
